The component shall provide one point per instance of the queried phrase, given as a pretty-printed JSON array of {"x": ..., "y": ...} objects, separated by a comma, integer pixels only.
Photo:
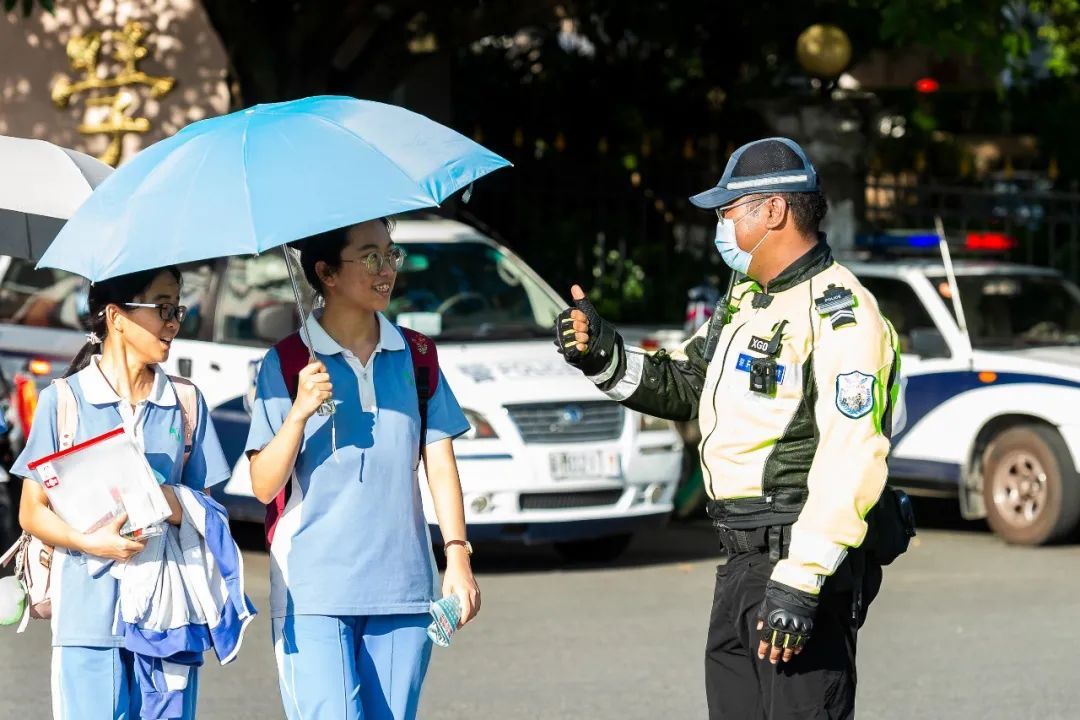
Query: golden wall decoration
[{"x": 112, "y": 90}]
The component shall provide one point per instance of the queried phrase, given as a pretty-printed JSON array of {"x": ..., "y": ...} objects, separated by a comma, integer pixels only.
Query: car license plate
[{"x": 591, "y": 464}]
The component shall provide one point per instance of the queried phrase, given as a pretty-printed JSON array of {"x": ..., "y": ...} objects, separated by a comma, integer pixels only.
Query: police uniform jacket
[{"x": 823, "y": 429}]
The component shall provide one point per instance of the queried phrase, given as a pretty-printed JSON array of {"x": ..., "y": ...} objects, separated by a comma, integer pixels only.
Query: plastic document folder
[{"x": 92, "y": 483}]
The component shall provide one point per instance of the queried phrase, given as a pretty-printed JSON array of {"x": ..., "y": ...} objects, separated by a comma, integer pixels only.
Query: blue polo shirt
[
  {"x": 353, "y": 539},
  {"x": 84, "y": 606}
]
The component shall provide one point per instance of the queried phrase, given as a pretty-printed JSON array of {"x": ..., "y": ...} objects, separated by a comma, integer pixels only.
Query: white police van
[
  {"x": 991, "y": 359},
  {"x": 548, "y": 458}
]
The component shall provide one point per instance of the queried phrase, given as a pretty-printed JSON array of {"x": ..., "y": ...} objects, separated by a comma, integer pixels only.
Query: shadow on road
[
  {"x": 679, "y": 542},
  {"x": 249, "y": 536},
  {"x": 944, "y": 514}
]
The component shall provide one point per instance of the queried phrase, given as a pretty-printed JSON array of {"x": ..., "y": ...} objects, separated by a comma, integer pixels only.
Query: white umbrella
[{"x": 41, "y": 186}]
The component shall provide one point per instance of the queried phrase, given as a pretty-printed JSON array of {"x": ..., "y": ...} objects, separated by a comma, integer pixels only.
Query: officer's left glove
[{"x": 786, "y": 621}]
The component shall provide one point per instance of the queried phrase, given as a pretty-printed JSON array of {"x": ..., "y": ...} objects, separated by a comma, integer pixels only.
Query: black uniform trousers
[{"x": 817, "y": 683}]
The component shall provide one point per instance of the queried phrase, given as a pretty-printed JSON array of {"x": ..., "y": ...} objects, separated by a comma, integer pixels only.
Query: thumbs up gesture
[
  {"x": 585, "y": 339},
  {"x": 580, "y": 320}
]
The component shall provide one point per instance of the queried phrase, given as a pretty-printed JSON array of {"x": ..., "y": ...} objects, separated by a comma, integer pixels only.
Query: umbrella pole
[{"x": 327, "y": 407}]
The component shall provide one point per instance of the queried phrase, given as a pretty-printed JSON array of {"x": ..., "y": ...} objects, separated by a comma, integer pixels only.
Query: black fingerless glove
[
  {"x": 603, "y": 342},
  {"x": 788, "y": 616}
]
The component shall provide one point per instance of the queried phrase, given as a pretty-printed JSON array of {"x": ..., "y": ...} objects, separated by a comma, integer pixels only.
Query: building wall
[{"x": 33, "y": 57}]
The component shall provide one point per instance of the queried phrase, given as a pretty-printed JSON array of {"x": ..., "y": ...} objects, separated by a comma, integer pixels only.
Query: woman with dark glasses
[
  {"x": 116, "y": 379},
  {"x": 351, "y": 570}
]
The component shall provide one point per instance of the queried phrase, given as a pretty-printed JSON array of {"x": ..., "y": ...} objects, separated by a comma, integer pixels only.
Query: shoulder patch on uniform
[
  {"x": 837, "y": 302},
  {"x": 855, "y": 394}
]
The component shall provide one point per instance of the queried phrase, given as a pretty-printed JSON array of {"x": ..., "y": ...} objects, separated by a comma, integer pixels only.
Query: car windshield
[
  {"x": 1016, "y": 310},
  {"x": 41, "y": 298},
  {"x": 470, "y": 291},
  {"x": 56, "y": 299}
]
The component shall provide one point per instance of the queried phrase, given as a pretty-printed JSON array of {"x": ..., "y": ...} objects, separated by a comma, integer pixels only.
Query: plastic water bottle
[{"x": 446, "y": 614}]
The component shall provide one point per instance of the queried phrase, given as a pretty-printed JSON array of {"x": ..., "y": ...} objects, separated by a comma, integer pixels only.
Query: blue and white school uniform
[
  {"x": 92, "y": 675},
  {"x": 351, "y": 568}
]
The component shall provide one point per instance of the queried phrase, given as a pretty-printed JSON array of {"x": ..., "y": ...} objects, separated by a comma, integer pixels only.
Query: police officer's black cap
[{"x": 772, "y": 165}]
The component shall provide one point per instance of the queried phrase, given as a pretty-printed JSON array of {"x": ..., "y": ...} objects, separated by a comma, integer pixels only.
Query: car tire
[
  {"x": 595, "y": 550},
  {"x": 1030, "y": 486}
]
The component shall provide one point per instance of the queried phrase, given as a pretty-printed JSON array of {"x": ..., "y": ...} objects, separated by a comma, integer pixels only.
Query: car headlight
[
  {"x": 649, "y": 423},
  {"x": 479, "y": 428}
]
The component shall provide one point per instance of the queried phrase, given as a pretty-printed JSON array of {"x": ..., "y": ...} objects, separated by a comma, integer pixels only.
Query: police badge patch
[{"x": 855, "y": 394}]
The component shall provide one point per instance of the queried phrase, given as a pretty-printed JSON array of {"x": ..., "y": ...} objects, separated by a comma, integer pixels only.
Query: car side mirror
[
  {"x": 927, "y": 342},
  {"x": 273, "y": 322}
]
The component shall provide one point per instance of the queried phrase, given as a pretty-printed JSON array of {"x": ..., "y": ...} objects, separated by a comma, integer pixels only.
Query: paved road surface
[{"x": 965, "y": 628}]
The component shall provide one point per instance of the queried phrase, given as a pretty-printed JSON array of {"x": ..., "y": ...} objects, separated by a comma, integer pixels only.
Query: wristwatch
[{"x": 463, "y": 543}]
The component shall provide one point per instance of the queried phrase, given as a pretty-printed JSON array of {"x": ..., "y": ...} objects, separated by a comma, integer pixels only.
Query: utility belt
[{"x": 755, "y": 524}]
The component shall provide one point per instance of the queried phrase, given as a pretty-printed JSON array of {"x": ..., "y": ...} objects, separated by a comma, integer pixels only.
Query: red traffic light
[{"x": 927, "y": 85}]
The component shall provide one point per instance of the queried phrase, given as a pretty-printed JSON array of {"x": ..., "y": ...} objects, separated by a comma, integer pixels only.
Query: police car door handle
[{"x": 216, "y": 367}]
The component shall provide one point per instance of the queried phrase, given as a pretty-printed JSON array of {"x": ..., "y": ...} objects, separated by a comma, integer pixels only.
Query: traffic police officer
[{"x": 795, "y": 386}]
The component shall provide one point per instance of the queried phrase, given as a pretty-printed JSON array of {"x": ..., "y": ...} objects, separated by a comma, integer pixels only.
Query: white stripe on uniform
[{"x": 628, "y": 384}]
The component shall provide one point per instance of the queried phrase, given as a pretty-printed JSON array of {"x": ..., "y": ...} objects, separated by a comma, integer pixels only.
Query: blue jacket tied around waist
[{"x": 181, "y": 596}]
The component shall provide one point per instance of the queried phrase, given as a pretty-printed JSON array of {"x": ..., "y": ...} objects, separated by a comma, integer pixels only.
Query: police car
[
  {"x": 548, "y": 457},
  {"x": 991, "y": 364}
]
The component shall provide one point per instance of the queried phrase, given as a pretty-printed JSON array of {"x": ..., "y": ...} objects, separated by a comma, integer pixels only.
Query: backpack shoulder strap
[
  {"x": 67, "y": 414},
  {"x": 188, "y": 396},
  {"x": 293, "y": 356},
  {"x": 425, "y": 360}
]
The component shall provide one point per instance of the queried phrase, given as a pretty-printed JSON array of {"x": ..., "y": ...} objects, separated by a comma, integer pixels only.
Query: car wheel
[
  {"x": 596, "y": 550},
  {"x": 1030, "y": 485}
]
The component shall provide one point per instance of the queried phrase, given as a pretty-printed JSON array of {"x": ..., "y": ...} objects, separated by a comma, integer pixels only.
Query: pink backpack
[{"x": 33, "y": 558}]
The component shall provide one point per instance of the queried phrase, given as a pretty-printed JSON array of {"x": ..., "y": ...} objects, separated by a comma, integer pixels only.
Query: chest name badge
[
  {"x": 855, "y": 394},
  {"x": 837, "y": 303},
  {"x": 760, "y": 345}
]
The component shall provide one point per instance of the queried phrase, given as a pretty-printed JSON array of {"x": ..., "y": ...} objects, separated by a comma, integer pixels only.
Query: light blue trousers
[
  {"x": 351, "y": 667},
  {"x": 99, "y": 683}
]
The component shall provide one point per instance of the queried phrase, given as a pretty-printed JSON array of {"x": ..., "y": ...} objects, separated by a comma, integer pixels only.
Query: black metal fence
[
  {"x": 571, "y": 222},
  {"x": 1045, "y": 224},
  {"x": 576, "y": 224}
]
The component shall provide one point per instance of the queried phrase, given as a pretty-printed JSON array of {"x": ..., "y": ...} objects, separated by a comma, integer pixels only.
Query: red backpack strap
[
  {"x": 425, "y": 359},
  {"x": 293, "y": 357}
]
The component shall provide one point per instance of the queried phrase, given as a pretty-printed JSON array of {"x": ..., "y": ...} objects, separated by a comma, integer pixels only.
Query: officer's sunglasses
[
  {"x": 375, "y": 261},
  {"x": 166, "y": 311}
]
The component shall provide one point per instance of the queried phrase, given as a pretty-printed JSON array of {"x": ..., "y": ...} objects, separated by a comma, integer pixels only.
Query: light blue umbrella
[
  {"x": 256, "y": 179},
  {"x": 253, "y": 180}
]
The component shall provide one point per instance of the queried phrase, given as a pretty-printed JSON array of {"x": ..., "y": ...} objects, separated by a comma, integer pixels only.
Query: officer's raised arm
[
  {"x": 856, "y": 374},
  {"x": 664, "y": 385}
]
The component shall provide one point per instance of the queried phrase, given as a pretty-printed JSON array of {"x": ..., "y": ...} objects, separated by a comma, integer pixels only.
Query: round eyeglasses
[{"x": 375, "y": 261}]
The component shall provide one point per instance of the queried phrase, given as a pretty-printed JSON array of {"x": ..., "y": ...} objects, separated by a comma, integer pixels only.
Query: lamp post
[
  {"x": 831, "y": 124},
  {"x": 823, "y": 51}
]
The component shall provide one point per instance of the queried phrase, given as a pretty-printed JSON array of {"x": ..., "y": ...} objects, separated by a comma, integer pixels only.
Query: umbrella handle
[{"x": 327, "y": 407}]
